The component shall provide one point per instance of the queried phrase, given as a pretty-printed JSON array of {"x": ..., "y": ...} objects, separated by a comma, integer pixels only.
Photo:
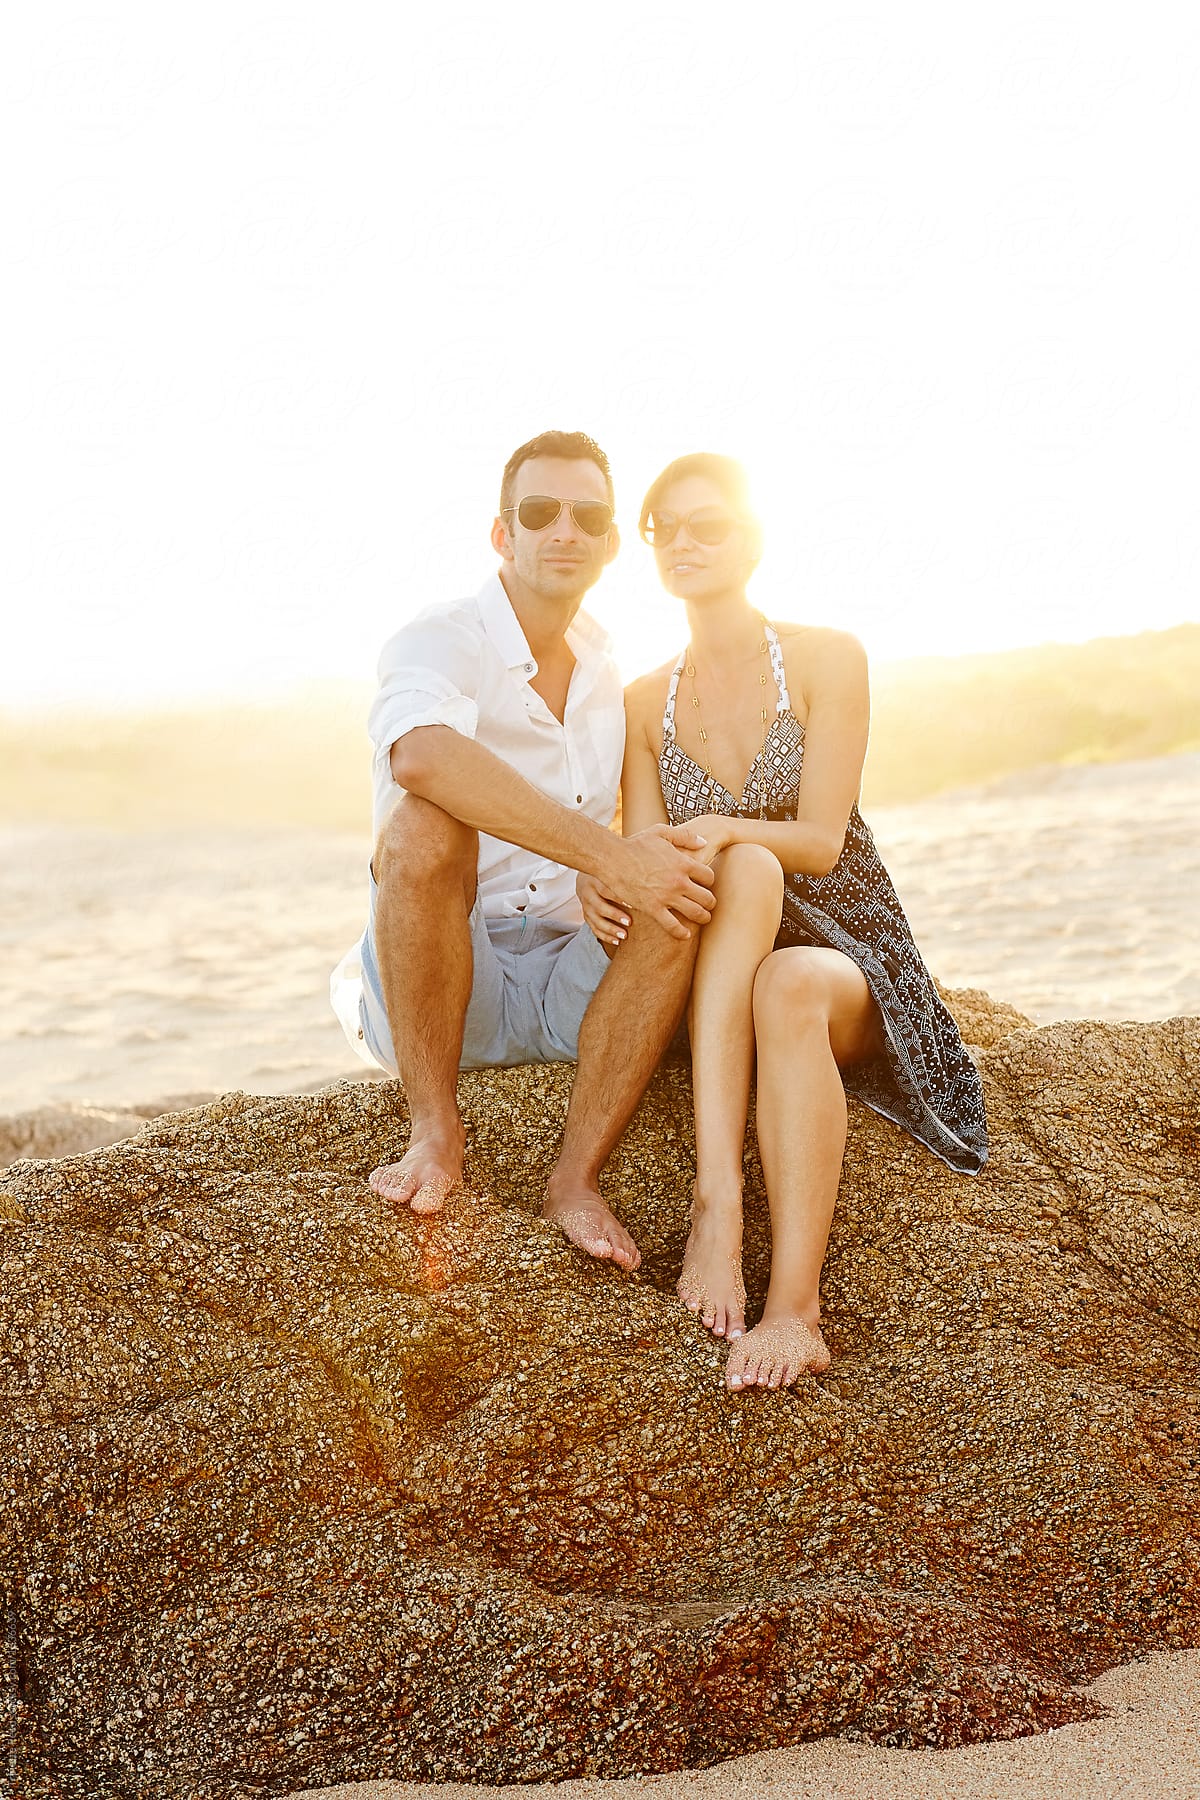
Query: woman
[{"x": 757, "y": 735}]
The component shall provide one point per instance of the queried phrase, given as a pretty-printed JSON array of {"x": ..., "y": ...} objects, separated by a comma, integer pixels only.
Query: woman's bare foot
[
  {"x": 776, "y": 1353},
  {"x": 581, "y": 1215},
  {"x": 710, "y": 1283},
  {"x": 430, "y": 1170}
]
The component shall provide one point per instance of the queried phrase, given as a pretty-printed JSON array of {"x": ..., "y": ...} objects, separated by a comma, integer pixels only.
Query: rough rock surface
[{"x": 297, "y": 1490}]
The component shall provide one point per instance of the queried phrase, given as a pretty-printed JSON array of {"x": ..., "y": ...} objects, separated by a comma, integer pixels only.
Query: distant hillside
[
  {"x": 939, "y": 722},
  {"x": 942, "y": 722}
]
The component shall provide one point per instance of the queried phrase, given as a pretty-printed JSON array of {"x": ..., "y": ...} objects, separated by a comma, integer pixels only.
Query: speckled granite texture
[{"x": 298, "y": 1490}]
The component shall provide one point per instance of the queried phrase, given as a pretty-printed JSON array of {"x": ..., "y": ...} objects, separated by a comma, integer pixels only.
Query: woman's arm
[
  {"x": 641, "y": 791},
  {"x": 834, "y": 682},
  {"x": 641, "y": 806}
]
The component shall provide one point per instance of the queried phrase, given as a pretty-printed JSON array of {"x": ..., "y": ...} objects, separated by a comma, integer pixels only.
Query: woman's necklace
[{"x": 690, "y": 671}]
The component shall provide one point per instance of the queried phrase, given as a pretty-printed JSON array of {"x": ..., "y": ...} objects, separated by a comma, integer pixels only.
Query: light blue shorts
[{"x": 532, "y": 985}]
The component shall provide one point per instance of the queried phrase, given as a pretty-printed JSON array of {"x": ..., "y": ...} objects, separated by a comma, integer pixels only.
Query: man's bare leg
[
  {"x": 630, "y": 1022},
  {"x": 425, "y": 865}
]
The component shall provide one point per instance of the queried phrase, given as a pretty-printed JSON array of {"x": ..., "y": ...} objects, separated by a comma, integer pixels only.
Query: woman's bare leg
[
  {"x": 813, "y": 1016},
  {"x": 749, "y": 890}
]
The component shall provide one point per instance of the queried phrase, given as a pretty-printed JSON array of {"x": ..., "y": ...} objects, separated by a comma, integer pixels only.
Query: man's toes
[
  {"x": 625, "y": 1251},
  {"x": 391, "y": 1182},
  {"x": 589, "y": 1237},
  {"x": 432, "y": 1196}
]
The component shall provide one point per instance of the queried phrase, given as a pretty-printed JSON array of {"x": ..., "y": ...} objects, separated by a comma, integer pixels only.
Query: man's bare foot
[
  {"x": 710, "y": 1283},
  {"x": 430, "y": 1170},
  {"x": 581, "y": 1215},
  {"x": 776, "y": 1353}
]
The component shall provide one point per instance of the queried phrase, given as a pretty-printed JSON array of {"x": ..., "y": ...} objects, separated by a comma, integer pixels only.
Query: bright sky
[{"x": 284, "y": 287}]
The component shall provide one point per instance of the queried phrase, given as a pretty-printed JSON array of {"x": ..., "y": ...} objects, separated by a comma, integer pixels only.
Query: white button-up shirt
[{"x": 468, "y": 665}]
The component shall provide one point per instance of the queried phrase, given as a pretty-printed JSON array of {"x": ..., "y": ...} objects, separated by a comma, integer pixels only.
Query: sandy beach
[{"x": 143, "y": 966}]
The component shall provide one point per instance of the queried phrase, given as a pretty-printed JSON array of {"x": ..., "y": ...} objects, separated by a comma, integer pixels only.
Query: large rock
[{"x": 299, "y": 1490}]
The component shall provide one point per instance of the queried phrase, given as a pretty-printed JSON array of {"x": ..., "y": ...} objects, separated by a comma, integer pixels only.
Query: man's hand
[{"x": 662, "y": 872}]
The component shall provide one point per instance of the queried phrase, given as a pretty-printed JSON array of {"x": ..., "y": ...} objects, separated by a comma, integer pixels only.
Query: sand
[{"x": 137, "y": 966}]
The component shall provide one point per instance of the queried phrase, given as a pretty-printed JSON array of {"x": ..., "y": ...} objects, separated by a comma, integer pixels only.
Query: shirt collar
[{"x": 587, "y": 639}]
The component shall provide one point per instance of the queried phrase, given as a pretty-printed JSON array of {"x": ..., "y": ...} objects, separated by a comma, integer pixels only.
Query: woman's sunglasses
[
  {"x": 707, "y": 525},
  {"x": 536, "y": 511}
]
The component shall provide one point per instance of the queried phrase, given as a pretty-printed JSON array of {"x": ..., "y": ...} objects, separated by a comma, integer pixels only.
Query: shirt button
[
  {"x": 533, "y": 887},
  {"x": 529, "y": 668},
  {"x": 579, "y": 799}
]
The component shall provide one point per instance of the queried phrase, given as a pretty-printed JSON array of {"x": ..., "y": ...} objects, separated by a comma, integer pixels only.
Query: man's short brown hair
[{"x": 572, "y": 445}]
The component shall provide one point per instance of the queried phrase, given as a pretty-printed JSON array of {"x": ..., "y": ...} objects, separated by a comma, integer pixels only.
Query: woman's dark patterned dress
[{"x": 926, "y": 1082}]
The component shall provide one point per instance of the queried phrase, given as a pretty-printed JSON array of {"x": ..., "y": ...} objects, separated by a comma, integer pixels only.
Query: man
[{"x": 498, "y": 732}]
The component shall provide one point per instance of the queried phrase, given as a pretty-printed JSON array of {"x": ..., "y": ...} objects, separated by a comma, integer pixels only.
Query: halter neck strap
[
  {"x": 774, "y": 650},
  {"x": 669, "y": 708}
]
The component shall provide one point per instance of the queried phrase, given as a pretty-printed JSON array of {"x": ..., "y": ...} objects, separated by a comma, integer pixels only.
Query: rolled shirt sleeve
[{"x": 428, "y": 675}]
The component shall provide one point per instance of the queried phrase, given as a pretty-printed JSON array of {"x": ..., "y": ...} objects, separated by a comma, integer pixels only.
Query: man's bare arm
[{"x": 655, "y": 872}]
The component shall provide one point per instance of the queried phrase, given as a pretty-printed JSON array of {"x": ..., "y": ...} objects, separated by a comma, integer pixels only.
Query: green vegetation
[
  {"x": 938, "y": 723},
  {"x": 943, "y": 722}
]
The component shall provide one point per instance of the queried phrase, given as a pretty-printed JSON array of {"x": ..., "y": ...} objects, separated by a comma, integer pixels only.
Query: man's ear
[
  {"x": 501, "y": 542},
  {"x": 614, "y": 542}
]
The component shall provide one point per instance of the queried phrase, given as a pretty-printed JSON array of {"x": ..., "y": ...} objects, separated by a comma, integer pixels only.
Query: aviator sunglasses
[
  {"x": 707, "y": 525},
  {"x": 536, "y": 511}
]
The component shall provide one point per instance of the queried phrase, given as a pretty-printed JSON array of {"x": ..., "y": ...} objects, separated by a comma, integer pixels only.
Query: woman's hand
[
  {"x": 718, "y": 831},
  {"x": 607, "y": 917}
]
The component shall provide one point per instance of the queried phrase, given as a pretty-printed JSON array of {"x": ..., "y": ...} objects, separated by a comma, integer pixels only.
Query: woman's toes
[{"x": 718, "y": 1324}]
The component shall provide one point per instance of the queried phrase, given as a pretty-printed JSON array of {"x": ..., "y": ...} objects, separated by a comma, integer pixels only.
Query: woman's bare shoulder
[
  {"x": 823, "y": 640},
  {"x": 821, "y": 650},
  {"x": 646, "y": 692},
  {"x": 645, "y": 703}
]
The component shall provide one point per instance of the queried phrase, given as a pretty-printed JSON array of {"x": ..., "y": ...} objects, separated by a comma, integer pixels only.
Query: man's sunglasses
[
  {"x": 536, "y": 511},
  {"x": 707, "y": 525}
]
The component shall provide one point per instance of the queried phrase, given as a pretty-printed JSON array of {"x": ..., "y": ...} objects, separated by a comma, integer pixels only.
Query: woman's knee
[
  {"x": 792, "y": 988},
  {"x": 419, "y": 843},
  {"x": 749, "y": 874}
]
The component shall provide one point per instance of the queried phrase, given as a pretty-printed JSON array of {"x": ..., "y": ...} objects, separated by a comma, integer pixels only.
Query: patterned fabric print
[{"x": 926, "y": 1082}]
